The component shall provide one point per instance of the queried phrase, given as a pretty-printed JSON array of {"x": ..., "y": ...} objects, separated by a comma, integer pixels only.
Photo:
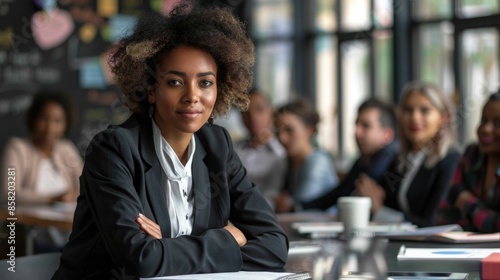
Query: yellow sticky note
[
  {"x": 87, "y": 32},
  {"x": 6, "y": 37},
  {"x": 107, "y": 8}
]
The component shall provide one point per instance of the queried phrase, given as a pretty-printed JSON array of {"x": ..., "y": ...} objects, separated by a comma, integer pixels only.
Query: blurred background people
[
  {"x": 47, "y": 165},
  {"x": 474, "y": 198},
  {"x": 311, "y": 172},
  {"x": 375, "y": 137},
  {"x": 262, "y": 155},
  {"x": 418, "y": 179}
]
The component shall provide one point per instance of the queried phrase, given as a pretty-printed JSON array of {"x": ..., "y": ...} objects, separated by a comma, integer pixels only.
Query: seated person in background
[
  {"x": 165, "y": 193},
  {"x": 48, "y": 166},
  {"x": 419, "y": 178},
  {"x": 474, "y": 198},
  {"x": 375, "y": 136},
  {"x": 262, "y": 154},
  {"x": 311, "y": 172}
]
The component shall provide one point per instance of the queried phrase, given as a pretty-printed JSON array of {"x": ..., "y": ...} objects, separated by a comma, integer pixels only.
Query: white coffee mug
[{"x": 354, "y": 212}]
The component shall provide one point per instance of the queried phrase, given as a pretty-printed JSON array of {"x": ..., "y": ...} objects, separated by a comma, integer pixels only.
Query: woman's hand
[
  {"x": 149, "y": 227},
  {"x": 237, "y": 234},
  {"x": 463, "y": 198},
  {"x": 366, "y": 186},
  {"x": 283, "y": 203},
  {"x": 69, "y": 196}
]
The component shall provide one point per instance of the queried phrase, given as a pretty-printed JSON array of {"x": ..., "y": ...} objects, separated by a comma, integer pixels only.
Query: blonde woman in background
[{"x": 419, "y": 178}]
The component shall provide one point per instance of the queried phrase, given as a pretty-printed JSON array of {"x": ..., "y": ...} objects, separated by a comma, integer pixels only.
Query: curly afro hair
[{"x": 215, "y": 30}]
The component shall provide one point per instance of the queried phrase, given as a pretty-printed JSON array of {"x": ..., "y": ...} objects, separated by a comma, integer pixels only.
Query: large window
[
  {"x": 339, "y": 52},
  {"x": 458, "y": 48},
  {"x": 309, "y": 49},
  {"x": 273, "y": 28},
  {"x": 480, "y": 75}
]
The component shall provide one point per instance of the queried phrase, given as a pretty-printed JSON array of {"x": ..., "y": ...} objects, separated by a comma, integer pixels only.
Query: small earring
[
  {"x": 151, "y": 110},
  {"x": 211, "y": 120}
]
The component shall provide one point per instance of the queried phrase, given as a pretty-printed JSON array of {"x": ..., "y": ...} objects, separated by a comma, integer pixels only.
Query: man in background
[{"x": 375, "y": 138}]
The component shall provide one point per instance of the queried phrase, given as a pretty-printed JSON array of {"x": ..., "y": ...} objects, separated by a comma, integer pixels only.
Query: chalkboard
[{"x": 61, "y": 44}]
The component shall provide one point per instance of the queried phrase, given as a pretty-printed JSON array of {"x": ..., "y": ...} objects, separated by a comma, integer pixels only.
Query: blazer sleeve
[
  {"x": 376, "y": 170},
  {"x": 267, "y": 245},
  {"x": 111, "y": 181}
]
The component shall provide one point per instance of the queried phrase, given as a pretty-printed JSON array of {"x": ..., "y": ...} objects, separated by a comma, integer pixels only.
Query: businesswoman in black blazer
[
  {"x": 164, "y": 193},
  {"x": 419, "y": 178}
]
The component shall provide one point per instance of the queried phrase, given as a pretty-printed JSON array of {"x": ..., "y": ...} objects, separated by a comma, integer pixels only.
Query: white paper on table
[
  {"x": 338, "y": 227},
  {"x": 241, "y": 275}
]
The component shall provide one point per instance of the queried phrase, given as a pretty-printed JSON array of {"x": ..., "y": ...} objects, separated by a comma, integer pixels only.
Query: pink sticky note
[{"x": 51, "y": 28}]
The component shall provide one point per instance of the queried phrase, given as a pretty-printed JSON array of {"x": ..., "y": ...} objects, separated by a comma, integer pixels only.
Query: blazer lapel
[
  {"x": 201, "y": 190},
  {"x": 155, "y": 191}
]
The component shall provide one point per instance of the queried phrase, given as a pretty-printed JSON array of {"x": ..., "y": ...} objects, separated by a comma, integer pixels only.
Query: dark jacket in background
[
  {"x": 375, "y": 168},
  {"x": 428, "y": 188}
]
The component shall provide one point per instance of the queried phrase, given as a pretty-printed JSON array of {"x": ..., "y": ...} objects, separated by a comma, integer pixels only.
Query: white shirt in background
[{"x": 265, "y": 164}]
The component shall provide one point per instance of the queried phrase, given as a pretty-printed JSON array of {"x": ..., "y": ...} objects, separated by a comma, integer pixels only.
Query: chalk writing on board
[
  {"x": 16, "y": 105},
  {"x": 25, "y": 68}
]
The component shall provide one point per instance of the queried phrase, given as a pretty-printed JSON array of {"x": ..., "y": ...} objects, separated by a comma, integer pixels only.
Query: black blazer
[
  {"x": 122, "y": 178},
  {"x": 428, "y": 188},
  {"x": 375, "y": 168}
]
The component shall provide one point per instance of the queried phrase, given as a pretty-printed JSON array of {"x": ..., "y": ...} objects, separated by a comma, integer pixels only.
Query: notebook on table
[{"x": 445, "y": 254}]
